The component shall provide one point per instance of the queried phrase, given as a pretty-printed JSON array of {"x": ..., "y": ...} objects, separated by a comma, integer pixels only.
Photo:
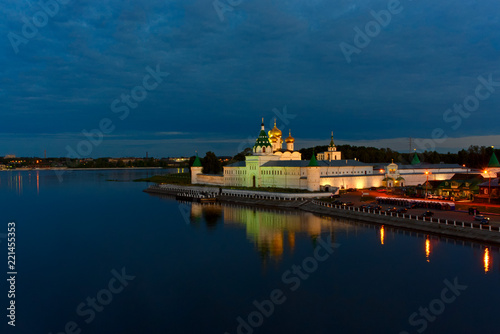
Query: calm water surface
[{"x": 213, "y": 269}]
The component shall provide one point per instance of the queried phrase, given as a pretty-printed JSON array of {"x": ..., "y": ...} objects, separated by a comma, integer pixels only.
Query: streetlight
[
  {"x": 426, "y": 183},
  {"x": 489, "y": 185}
]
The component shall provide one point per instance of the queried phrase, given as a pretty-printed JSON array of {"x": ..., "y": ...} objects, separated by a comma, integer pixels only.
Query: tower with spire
[
  {"x": 331, "y": 153},
  {"x": 263, "y": 144},
  {"x": 415, "y": 160},
  {"x": 196, "y": 169}
]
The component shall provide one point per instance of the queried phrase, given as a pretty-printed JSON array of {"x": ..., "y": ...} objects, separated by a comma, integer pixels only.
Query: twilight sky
[{"x": 101, "y": 67}]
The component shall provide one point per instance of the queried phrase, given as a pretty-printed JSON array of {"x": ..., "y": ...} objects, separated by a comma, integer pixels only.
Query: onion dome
[
  {"x": 273, "y": 139},
  {"x": 274, "y": 132},
  {"x": 290, "y": 139}
]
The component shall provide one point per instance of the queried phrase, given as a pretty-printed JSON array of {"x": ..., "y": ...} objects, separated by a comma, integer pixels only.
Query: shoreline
[
  {"x": 445, "y": 229},
  {"x": 78, "y": 169}
]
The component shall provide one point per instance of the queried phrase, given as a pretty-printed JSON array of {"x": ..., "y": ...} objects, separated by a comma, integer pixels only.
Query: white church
[{"x": 271, "y": 165}]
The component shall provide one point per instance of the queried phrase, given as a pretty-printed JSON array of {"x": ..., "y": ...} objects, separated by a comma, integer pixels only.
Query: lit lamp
[
  {"x": 426, "y": 183},
  {"x": 489, "y": 185}
]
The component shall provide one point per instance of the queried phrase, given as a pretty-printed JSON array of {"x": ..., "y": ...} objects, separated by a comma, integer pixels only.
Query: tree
[
  {"x": 241, "y": 156},
  {"x": 211, "y": 164}
]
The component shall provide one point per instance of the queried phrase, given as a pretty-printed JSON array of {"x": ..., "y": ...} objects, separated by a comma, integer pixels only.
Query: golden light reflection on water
[
  {"x": 427, "y": 248},
  {"x": 273, "y": 232},
  {"x": 486, "y": 260},
  {"x": 382, "y": 235}
]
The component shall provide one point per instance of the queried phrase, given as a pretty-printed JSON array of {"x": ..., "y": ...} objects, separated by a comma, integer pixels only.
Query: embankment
[{"x": 460, "y": 230}]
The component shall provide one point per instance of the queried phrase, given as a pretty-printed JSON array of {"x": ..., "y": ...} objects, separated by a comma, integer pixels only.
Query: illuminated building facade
[{"x": 271, "y": 165}]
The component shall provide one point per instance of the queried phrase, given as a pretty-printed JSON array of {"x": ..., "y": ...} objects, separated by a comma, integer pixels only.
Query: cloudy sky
[{"x": 172, "y": 77}]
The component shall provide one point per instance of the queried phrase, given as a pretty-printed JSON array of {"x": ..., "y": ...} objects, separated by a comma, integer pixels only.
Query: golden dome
[
  {"x": 290, "y": 139},
  {"x": 273, "y": 139},
  {"x": 274, "y": 132}
]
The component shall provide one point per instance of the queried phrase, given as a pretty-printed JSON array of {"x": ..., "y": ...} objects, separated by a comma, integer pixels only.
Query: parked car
[
  {"x": 348, "y": 204},
  {"x": 373, "y": 188},
  {"x": 481, "y": 218},
  {"x": 411, "y": 206},
  {"x": 391, "y": 210},
  {"x": 402, "y": 210},
  {"x": 427, "y": 214},
  {"x": 485, "y": 221}
]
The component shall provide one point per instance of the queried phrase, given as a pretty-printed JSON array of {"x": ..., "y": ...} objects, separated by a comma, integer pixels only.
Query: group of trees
[
  {"x": 89, "y": 163},
  {"x": 211, "y": 164},
  {"x": 106, "y": 163},
  {"x": 473, "y": 157}
]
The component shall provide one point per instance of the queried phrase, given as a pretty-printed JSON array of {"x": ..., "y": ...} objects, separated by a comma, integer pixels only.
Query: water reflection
[
  {"x": 212, "y": 214},
  {"x": 274, "y": 232},
  {"x": 486, "y": 260},
  {"x": 427, "y": 248},
  {"x": 271, "y": 231},
  {"x": 14, "y": 181},
  {"x": 382, "y": 235},
  {"x": 21, "y": 181}
]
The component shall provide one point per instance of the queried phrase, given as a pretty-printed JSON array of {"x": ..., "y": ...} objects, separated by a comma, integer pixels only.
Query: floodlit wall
[{"x": 215, "y": 180}]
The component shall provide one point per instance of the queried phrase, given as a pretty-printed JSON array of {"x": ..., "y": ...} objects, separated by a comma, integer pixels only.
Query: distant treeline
[
  {"x": 474, "y": 156},
  {"x": 90, "y": 163}
]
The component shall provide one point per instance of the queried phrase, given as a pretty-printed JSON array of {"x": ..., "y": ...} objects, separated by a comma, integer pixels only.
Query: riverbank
[
  {"x": 71, "y": 169},
  {"x": 440, "y": 226},
  {"x": 448, "y": 228}
]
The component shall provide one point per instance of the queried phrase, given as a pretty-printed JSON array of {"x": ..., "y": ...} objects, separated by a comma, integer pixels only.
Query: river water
[{"x": 95, "y": 254}]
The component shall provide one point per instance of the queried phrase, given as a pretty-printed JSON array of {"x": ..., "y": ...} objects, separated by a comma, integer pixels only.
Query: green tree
[
  {"x": 211, "y": 164},
  {"x": 241, "y": 156}
]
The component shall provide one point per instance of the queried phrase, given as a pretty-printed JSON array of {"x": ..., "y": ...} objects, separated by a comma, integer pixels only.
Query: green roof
[
  {"x": 493, "y": 161},
  {"x": 415, "y": 160},
  {"x": 313, "y": 162},
  {"x": 262, "y": 140},
  {"x": 197, "y": 162}
]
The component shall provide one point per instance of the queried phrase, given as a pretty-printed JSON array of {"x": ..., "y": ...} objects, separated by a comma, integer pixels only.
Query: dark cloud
[{"x": 225, "y": 75}]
